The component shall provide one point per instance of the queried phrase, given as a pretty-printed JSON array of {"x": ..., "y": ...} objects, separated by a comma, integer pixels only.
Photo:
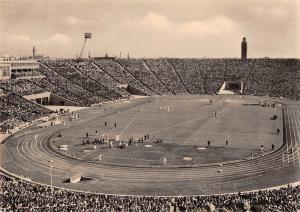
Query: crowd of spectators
[
  {"x": 117, "y": 72},
  {"x": 273, "y": 77},
  {"x": 63, "y": 91},
  {"x": 213, "y": 73},
  {"x": 21, "y": 87},
  {"x": 93, "y": 81},
  {"x": 236, "y": 69},
  {"x": 27, "y": 74},
  {"x": 141, "y": 72},
  {"x": 114, "y": 70},
  {"x": 166, "y": 74},
  {"x": 261, "y": 73},
  {"x": 2, "y": 92},
  {"x": 16, "y": 110},
  {"x": 19, "y": 195},
  {"x": 89, "y": 69},
  {"x": 73, "y": 91},
  {"x": 69, "y": 73},
  {"x": 189, "y": 72}
]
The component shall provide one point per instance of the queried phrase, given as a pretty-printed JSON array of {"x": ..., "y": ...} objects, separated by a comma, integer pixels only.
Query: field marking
[
  {"x": 84, "y": 156},
  {"x": 188, "y": 121},
  {"x": 33, "y": 149},
  {"x": 176, "y": 125},
  {"x": 131, "y": 122},
  {"x": 130, "y": 158}
]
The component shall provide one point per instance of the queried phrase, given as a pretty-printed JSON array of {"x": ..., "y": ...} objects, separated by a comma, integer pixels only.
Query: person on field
[
  {"x": 262, "y": 149},
  {"x": 278, "y": 131}
]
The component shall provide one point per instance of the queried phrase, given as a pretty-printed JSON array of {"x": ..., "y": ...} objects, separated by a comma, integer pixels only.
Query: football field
[{"x": 184, "y": 124}]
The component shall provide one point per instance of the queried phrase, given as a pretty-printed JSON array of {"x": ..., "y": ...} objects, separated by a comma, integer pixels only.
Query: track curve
[{"x": 30, "y": 157}]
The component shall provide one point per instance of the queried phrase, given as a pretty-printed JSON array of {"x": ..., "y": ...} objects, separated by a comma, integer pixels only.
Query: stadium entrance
[{"x": 231, "y": 87}]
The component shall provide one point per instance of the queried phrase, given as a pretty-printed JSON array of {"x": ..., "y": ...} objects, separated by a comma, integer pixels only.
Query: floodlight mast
[{"x": 87, "y": 35}]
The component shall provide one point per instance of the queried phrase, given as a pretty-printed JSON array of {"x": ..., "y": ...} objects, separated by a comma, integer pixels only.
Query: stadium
[
  {"x": 170, "y": 131},
  {"x": 153, "y": 127}
]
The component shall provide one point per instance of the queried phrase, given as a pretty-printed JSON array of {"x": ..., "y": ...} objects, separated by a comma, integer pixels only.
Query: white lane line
[
  {"x": 292, "y": 136},
  {"x": 15, "y": 161},
  {"x": 297, "y": 122},
  {"x": 287, "y": 137},
  {"x": 19, "y": 152},
  {"x": 26, "y": 133},
  {"x": 30, "y": 153}
]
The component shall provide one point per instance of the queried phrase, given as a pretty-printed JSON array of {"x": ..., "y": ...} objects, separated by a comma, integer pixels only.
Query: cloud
[
  {"x": 156, "y": 20},
  {"x": 22, "y": 38},
  {"x": 268, "y": 12},
  {"x": 211, "y": 26},
  {"x": 162, "y": 28},
  {"x": 72, "y": 20},
  {"x": 278, "y": 12},
  {"x": 60, "y": 38}
]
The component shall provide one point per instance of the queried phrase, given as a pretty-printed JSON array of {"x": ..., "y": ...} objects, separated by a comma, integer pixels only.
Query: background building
[
  {"x": 11, "y": 65},
  {"x": 33, "y": 52},
  {"x": 244, "y": 49}
]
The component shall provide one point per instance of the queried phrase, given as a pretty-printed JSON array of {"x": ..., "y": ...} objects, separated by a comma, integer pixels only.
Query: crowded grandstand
[
  {"x": 93, "y": 81},
  {"x": 24, "y": 196}
]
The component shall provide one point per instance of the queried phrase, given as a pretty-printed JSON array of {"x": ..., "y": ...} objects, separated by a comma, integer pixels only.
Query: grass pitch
[{"x": 183, "y": 123}]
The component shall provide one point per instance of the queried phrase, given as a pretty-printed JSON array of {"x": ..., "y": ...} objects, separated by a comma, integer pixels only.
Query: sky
[{"x": 151, "y": 28}]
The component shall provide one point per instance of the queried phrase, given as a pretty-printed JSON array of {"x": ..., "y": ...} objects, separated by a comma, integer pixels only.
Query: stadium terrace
[{"x": 163, "y": 134}]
